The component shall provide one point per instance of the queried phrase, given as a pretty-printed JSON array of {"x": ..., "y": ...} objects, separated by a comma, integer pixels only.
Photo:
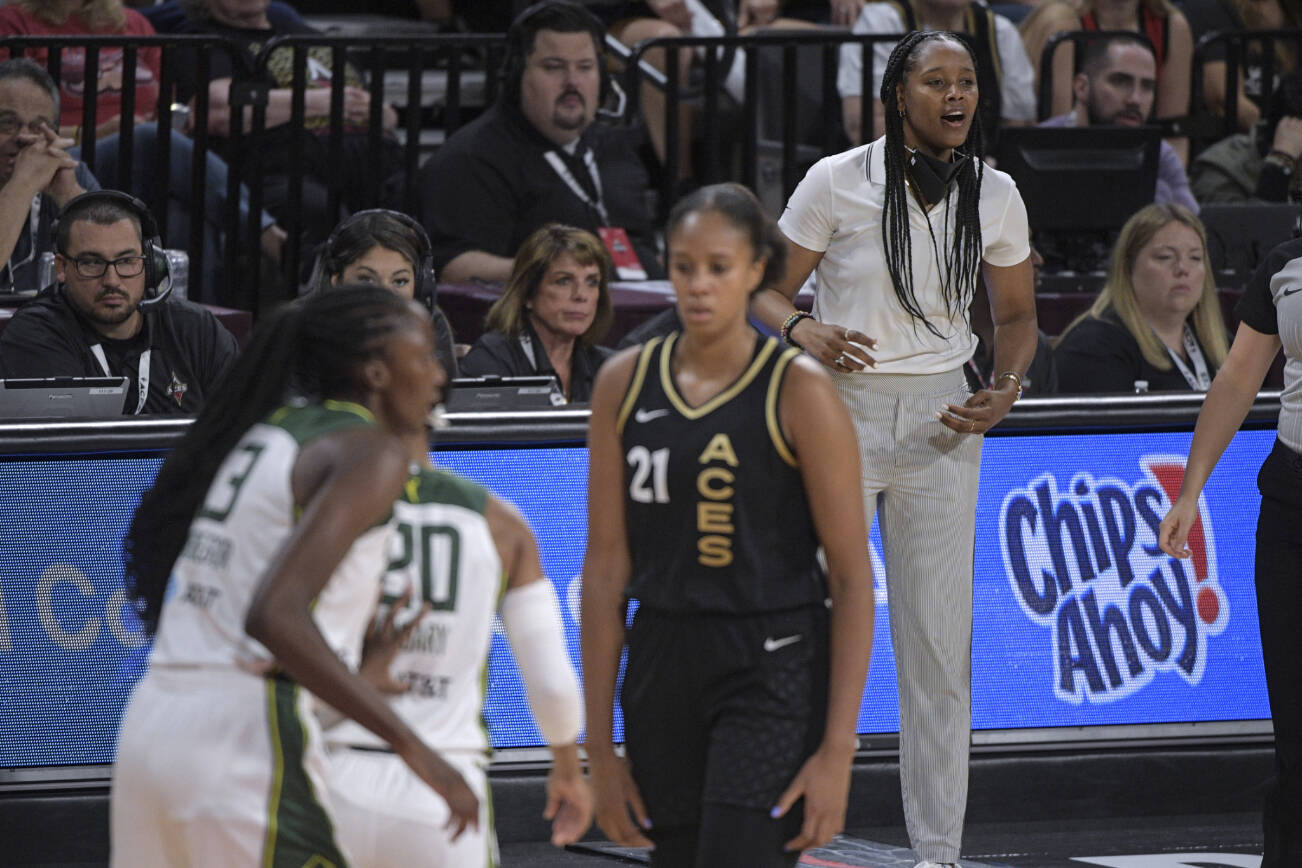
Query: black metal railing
[
  {"x": 772, "y": 116},
  {"x": 1208, "y": 126}
]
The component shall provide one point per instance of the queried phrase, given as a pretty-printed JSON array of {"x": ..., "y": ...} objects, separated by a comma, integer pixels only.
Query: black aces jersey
[{"x": 716, "y": 510}]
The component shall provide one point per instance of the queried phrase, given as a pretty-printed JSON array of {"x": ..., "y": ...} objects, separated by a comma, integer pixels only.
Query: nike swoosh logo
[
  {"x": 1289, "y": 292},
  {"x": 642, "y": 416},
  {"x": 771, "y": 644}
]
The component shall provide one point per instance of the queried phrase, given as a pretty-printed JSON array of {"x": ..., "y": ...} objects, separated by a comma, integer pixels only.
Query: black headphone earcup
[
  {"x": 427, "y": 285},
  {"x": 157, "y": 267}
]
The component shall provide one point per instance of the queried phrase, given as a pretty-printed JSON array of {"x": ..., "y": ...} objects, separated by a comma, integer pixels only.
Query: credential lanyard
[
  {"x": 142, "y": 374},
  {"x": 1198, "y": 379},
  {"x": 526, "y": 344},
  {"x": 563, "y": 171},
  {"x": 33, "y": 223}
]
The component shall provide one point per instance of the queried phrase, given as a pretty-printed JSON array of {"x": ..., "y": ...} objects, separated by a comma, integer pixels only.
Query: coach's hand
[
  {"x": 841, "y": 349},
  {"x": 824, "y": 782},
  {"x": 617, "y": 796}
]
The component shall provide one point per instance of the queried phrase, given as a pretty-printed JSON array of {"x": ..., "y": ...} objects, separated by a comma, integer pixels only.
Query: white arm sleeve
[{"x": 532, "y": 617}]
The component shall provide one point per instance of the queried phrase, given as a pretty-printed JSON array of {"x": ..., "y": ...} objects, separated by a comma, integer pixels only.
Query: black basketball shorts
[{"x": 722, "y": 709}]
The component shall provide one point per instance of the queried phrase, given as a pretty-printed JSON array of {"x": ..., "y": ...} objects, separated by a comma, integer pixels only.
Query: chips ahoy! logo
[{"x": 1084, "y": 562}]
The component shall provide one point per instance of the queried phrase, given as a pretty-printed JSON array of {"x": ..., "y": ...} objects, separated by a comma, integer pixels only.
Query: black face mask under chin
[{"x": 934, "y": 177}]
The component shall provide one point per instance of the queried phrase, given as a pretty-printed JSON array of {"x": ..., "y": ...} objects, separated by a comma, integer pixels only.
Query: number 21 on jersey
[{"x": 652, "y": 467}]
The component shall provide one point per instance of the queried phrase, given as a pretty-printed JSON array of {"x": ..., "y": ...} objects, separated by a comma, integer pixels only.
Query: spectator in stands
[
  {"x": 1116, "y": 87},
  {"x": 535, "y": 156},
  {"x": 1007, "y": 83},
  {"x": 634, "y": 22},
  {"x": 1159, "y": 20},
  {"x": 1227, "y": 16},
  {"x": 37, "y": 174},
  {"x": 1157, "y": 324},
  {"x": 106, "y": 17},
  {"x": 1260, "y": 165},
  {"x": 555, "y": 308},
  {"x": 391, "y": 249},
  {"x": 110, "y": 314},
  {"x": 90, "y": 17},
  {"x": 359, "y": 176}
]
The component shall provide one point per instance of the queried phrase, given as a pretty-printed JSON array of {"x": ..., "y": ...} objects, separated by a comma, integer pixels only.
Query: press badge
[{"x": 622, "y": 254}]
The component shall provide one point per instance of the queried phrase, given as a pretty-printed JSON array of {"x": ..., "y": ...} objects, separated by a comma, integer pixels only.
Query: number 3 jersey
[
  {"x": 718, "y": 520},
  {"x": 444, "y": 553},
  {"x": 246, "y": 516}
]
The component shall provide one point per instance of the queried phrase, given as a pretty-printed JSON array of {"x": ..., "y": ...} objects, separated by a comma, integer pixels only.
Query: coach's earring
[{"x": 901, "y": 111}]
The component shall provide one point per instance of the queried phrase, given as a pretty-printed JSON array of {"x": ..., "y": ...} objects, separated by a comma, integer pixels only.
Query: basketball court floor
[{"x": 1190, "y": 841}]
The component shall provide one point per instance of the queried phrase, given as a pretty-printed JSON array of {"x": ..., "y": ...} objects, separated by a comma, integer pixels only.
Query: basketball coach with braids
[{"x": 900, "y": 231}]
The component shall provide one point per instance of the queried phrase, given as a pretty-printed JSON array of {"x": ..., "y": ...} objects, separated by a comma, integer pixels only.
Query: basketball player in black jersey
[{"x": 718, "y": 462}]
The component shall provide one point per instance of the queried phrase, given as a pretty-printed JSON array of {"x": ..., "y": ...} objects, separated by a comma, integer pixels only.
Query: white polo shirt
[
  {"x": 837, "y": 210},
  {"x": 1017, "y": 79}
]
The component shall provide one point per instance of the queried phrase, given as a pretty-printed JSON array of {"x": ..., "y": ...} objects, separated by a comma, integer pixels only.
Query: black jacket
[
  {"x": 490, "y": 186},
  {"x": 497, "y": 354},
  {"x": 189, "y": 350},
  {"x": 1101, "y": 355}
]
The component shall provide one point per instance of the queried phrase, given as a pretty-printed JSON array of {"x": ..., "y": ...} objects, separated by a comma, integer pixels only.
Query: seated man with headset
[
  {"x": 538, "y": 156},
  {"x": 110, "y": 315}
]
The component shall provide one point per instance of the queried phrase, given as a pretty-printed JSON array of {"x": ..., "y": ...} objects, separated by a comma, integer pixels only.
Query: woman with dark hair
[
  {"x": 251, "y": 561},
  {"x": 1157, "y": 321},
  {"x": 716, "y": 468},
  {"x": 921, "y": 206},
  {"x": 390, "y": 249},
  {"x": 554, "y": 309}
]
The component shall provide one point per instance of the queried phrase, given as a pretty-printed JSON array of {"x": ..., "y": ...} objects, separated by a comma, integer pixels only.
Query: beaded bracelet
[{"x": 789, "y": 323}]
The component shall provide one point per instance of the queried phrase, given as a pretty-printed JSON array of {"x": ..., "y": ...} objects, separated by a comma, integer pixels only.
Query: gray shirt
[{"x": 1272, "y": 304}]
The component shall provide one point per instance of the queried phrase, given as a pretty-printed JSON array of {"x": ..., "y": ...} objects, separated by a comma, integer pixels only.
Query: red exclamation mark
[{"x": 1169, "y": 476}]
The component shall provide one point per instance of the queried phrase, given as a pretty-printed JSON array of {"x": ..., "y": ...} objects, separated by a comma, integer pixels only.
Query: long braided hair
[
  {"x": 312, "y": 348},
  {"x": 962, "y": 261}
]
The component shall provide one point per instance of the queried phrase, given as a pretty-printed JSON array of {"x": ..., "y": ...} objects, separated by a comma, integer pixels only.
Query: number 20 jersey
[
  {"x": 444, "y": 553},
  {"x": 715, "y": 506}
]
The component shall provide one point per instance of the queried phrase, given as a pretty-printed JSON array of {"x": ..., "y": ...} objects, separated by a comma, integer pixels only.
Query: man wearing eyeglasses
[
  {"x": 37, "y": 175},
  {"x": 102, "y": 319}
]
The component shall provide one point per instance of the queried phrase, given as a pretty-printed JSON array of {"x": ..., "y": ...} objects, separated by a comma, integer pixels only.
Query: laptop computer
[
  {"x": 62, "y": 397},
  {"x": 471, "y": 394}
]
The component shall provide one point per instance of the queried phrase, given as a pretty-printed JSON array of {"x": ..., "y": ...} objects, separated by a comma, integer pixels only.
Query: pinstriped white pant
[{"x": 921, "y": 479}]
